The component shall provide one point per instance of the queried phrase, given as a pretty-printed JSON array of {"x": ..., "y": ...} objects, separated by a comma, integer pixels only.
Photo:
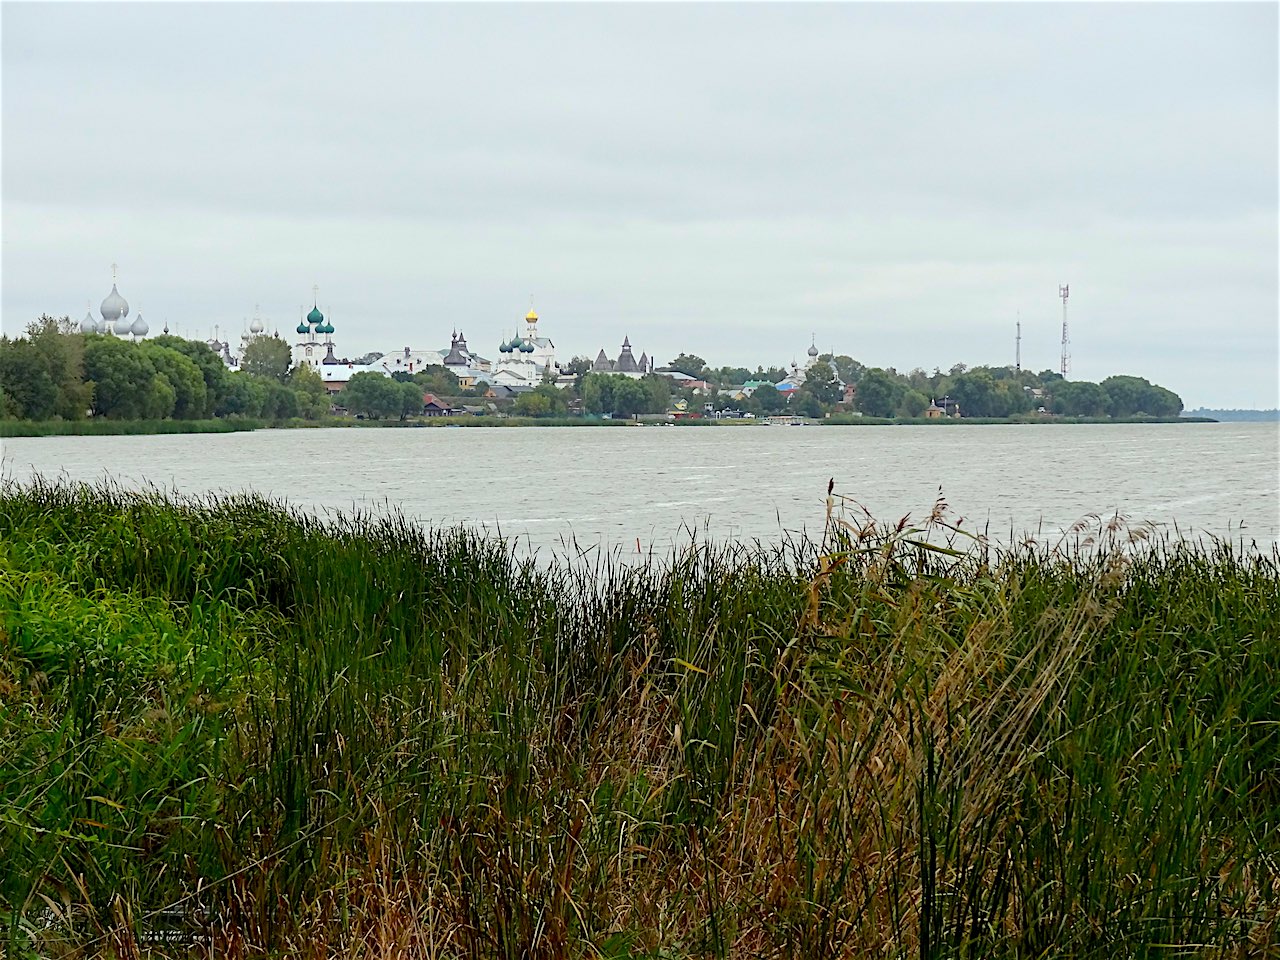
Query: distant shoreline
[
  {"x": 111, "y": 428},
  {"x": 99, "y": 428}
]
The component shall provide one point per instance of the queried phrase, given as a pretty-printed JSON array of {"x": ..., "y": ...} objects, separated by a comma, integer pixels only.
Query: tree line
[
  {"x": 54, "y": 371},
  {"x": 979, "y": 391}
]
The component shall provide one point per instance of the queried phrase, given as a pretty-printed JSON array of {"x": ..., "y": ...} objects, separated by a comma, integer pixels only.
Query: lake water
[{"x": 614, "y": 487}]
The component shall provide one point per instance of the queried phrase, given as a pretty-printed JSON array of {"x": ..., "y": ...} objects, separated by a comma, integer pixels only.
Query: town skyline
[
  {"x": 905, "y": 183},
  {"x": 263, "y": 323}
]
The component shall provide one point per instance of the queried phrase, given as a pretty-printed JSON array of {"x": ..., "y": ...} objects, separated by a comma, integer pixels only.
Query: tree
[
  {"x": 1163, "y": 402},
  {"x": 975, "y": 392},
  {"x": 437, "y": 379},
  {"x": 30, "y": 393},
  {"x": 242, "y": 396},
  {"x": 266, "y": 357},
  {"x": 597, "y": 392},
  {"x": 850, "y": 370},
  {"x": 123, "y": 379},
  {"x": 158, "y": 398},
  {"x": 766, "y": 400},
  {"x": 411, "y": 400},
  {"x": 629, "y": 397},
  {"x": 1014, "y": 398},
  {"x": 806, "y": 404},
  {"x": 912, "y": 404},
  {"x": 313, "y": 397},
  {"x": 1131, "y": 396},
  {"x": 773, "y": 374},
  {"x": 1080, "y": 398},
  {"x": 878, "y": 393},
  {"x": 211, "y": 367},
  {"x": 622, "y": 396},
  {"x": 557, "y": 405},
  {"x": 532, "y": 405},
  {"x": 730, "y": 375},
  {"x": 658, "y": 389},
  {"x": 60, "y": 348},
  {"x": 689, "y": 363},
  {"x": 821, "y": 383},
  {"x": 1128, "y": 395},
  {"x": 279, "y": 402},
  {"x": 372, "y": 395},
  {"x": 190, "y": 395}
]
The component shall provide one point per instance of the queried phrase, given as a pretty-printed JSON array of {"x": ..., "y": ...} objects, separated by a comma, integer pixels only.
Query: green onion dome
[
  {"x": 303, "y": 328},
  {"x": 315, "y": 316},
  {"x": 325, "y": 327},
  {"x": 527, "y": 346}
]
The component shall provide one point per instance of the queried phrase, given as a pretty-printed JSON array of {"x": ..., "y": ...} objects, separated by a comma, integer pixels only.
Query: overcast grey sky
[{"x": 898, "y": 179}]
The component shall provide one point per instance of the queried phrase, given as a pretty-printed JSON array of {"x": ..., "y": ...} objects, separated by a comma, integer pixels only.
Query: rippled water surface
[{"x": 615, "y": 486}]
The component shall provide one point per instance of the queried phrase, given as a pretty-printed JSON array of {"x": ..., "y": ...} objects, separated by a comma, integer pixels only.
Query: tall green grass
[
  {"x": 356, "y": 737},
  {"x": 100, "y": 427}
]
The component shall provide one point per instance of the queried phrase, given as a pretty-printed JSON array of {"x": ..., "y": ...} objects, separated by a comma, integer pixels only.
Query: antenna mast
[
  {"x": 1017, "y": 355},
  {"x": 1063, "y": 291}
]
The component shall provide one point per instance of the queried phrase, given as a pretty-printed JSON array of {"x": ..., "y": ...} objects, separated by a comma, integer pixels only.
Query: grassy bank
[
  {"x": 361, "y": 739},
  {"x": 59, "y": 428},
  {"x": 102, "y": 428},
  {"x": 847, "y": 420},
  {"x": 486, "y": 421}
]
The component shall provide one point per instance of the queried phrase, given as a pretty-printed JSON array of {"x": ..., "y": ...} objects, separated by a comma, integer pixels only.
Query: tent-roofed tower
[{"x": 626, "y": 361}]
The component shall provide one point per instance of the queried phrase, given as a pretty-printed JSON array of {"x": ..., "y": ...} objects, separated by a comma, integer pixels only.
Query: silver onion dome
[
  {"x": 88, "y": 324},
  {"x": 115, "y": 306},
  {"x": 139, "y": 328}
]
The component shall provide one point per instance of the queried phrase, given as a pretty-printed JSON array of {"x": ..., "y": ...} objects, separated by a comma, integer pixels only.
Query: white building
[
  {"x": 115, "y": 316},
  {"x": 310, "y": 350},
  {"x": 530, "y": 356},
  {"x": 795, "y": 379}
]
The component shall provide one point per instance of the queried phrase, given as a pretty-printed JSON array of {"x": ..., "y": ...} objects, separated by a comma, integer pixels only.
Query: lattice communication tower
[{"x": 1063, "y": 292}]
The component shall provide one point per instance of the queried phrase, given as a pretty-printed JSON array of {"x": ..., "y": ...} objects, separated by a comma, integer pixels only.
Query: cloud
[{"x": 899, "y": 180}]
